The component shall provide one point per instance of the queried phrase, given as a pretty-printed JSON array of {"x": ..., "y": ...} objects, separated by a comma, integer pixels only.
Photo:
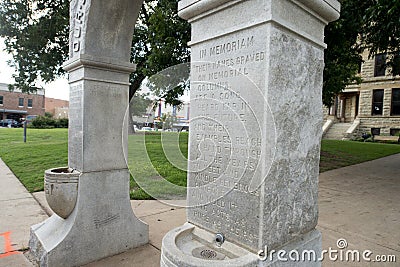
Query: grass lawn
[
  {"x": 147, "y": 161},
  {"x": 336, "y": 154},
  {"x": 148, "y": 164},
  {"x": 44, "y": 149}
]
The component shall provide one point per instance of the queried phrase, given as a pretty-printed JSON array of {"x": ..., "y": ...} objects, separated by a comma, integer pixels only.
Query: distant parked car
[
  {"x": 30, "y": 118},
  {"x": 146, "y": 129},
  {"x": 9, "y": 123}
]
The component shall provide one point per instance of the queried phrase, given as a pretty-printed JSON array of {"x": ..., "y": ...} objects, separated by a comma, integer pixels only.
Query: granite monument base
[
  {"x": 191, "y": 246},
  {"x": 102, "y": 224}
]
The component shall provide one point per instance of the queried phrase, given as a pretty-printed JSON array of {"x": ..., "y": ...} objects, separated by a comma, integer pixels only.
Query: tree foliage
[
  {"x": 342, "y": 58},
  {"x": 368, "y": 24},
  {"x": 381, "y": 27},
  {"x": 170, "y": 83},
  {"x": 36, "y": 34},
  {"x": 139, "y": 104},
  {"x": 160, "y": 41},
  {"x": 37, "y": 31}
]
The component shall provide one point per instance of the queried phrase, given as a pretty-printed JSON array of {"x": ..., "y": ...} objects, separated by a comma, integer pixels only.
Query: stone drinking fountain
[
  {"x": 93, "y": 215},
  {"x": 61, "y": 190},
  {"x": 256, "y": 95}
]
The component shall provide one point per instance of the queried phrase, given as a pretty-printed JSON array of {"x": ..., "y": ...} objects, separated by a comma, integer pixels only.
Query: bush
[
  {"x": 61, "y": 123},
  {"x": 44, "y": 122}
]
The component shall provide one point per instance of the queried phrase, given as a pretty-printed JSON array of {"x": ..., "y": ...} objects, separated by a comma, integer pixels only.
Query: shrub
[
  {"x": 44, "y": 122},
  {"x": 61, "y": 123}
]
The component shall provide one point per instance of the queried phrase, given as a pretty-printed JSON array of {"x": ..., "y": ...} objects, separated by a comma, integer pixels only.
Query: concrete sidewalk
[
  {"x": 18, "y": 210},
  {"x": 359, "y": 203}
]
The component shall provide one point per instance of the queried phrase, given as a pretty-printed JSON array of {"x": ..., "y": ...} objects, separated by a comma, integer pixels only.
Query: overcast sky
[{"x": 58, "y": 89}]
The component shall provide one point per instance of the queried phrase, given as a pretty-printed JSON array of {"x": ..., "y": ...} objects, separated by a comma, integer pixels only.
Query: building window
[
  {"x": 376, "y": 131},
  {"x": 394, "y": 132},
  {"x": 380, "y": 65},
  {"x": 21, "y": 102},
  {"x": 29, "y": 103},
  {"x": 377, "y": 102},
  {"x": 395, "y": 110},
  {"x": 396, "y": 65},
  {"x": 1, "y": 100}
]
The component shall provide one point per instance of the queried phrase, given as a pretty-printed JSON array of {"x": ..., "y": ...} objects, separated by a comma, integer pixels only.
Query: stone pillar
[
  {"x": 342, "y": 109},
  {"x": 255, "y": 131},
  {"x": 387, "y": 102},
  {"x": 102, "y": 223}
]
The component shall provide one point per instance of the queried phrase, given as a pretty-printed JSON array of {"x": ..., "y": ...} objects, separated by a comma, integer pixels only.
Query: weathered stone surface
[
  {"x": 102, "y": 28},
  {"x": 176, "y": 253},
  {"x": 99, "y": 68},
  {"x": 256, "y": 94},
  {"x": 102, "y": 223},
  {"x": 294, "y": 95},
  {"x": 61, "y": 189},
  {"x": 228, "y": 116},
  {"x": 256, "y": 125},
  {"x": 96, "y": 133}
]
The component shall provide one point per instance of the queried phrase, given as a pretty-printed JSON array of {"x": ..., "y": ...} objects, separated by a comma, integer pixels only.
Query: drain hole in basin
[{"x": 207, "y": 253}]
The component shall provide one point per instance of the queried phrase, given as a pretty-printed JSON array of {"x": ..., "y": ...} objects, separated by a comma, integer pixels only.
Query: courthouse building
[{"x": 370, "y": 107}]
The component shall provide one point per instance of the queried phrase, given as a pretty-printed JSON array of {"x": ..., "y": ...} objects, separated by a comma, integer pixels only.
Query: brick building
[
  {"x": 59, "y": 108},
  {"x": 16, "y": 105},
  {"x": 372, "y": 106}
]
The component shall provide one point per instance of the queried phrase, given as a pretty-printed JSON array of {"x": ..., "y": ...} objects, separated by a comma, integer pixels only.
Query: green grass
[
  {"x": 336, "y": 154},
  {"x": 150, "y": 168},
  {"x": 44, "y": 149},
  {"x": 151, "y": 171}
]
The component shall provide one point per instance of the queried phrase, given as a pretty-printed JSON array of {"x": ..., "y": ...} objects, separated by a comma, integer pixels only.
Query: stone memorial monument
[
  {"x": 255, "y": 132},
  {"x": 94, "y": 218}
]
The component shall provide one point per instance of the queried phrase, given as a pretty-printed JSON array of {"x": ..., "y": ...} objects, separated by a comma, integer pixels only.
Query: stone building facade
[
  {"x": 17, "y": 105},
  {"x": 373, "y": 105}
]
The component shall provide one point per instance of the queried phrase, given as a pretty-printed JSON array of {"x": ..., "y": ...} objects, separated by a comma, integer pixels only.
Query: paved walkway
[
  {"x": 359, "y": 203},
  {"x": 18, "y": 210}
]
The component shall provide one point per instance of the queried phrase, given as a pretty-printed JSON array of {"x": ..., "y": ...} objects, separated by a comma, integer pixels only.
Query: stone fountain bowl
[
  {"x": 61, "y": 190},
  {"x": 191, "y": 246}
]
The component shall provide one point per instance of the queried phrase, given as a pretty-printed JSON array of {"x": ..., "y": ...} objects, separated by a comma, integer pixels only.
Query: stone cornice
[
  {"x": 328, "y": 10},
  {"x": 100, "y": 63}
]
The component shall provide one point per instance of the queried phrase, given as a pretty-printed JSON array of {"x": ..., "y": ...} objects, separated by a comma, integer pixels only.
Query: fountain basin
[
  {"x": 61, "y": 190},
  {"x": 191, "y": 246}
]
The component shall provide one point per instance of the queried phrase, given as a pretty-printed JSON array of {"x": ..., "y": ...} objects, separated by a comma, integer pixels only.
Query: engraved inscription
[
  {"x": 98, "y": 223},
  {"x": 227, "y": 142},
  {"x": 78, "y": 20},
  {"x": 232, "y": 46},
  {"x": 75, "y": 132}
]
